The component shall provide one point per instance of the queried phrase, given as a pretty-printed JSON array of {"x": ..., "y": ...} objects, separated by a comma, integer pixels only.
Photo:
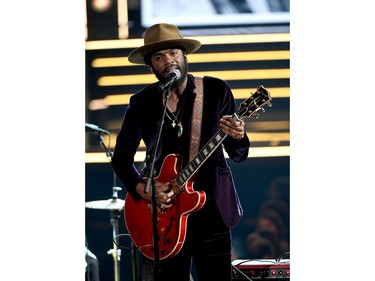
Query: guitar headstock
[{"x": 255, "y": 102}]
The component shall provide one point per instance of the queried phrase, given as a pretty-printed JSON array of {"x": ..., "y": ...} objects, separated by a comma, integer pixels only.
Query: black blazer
[{"x": 214, "y": 176}]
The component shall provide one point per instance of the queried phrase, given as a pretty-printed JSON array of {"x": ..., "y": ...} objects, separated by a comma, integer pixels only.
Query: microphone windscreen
[{"x": 176, "y": 72}]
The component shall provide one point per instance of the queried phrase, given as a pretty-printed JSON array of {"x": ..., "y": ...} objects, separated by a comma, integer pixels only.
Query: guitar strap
[{"x": 196, "y": 119}]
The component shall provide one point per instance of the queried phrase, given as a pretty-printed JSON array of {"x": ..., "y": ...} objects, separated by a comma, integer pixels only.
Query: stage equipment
[{"x": 261, "y": 269}]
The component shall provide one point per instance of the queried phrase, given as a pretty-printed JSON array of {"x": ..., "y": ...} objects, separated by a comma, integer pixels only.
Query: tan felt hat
[{"x": 161, "y": 36}]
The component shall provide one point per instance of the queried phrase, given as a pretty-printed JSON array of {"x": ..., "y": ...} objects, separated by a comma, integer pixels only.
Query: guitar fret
[
  {"x": 210, "y": 150},
  {"x": 179, "y": 181},
  {"x": 183, "y": 176},
  {"x": 202, "y": 158},
  {"x": 186, "y": 172},
  {"x": 198, "y": 160},
  {"x": 194, "y": 164},
  {"x": 191, "y": 169}
]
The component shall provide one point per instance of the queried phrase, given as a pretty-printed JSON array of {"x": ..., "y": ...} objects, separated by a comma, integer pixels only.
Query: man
[{"x": 208, "y": 237}]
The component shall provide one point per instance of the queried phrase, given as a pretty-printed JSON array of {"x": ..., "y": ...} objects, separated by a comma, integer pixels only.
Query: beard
[{"x": 183, "y": 68}]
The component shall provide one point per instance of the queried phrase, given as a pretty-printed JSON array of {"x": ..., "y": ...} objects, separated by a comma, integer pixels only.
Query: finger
[
  {"x": 170, "y": 193},
  {"x": 165, "y": 198},
  {"x": 226, "y": 117},
  {"x": 167, "y": 206},
  {"x": 226, "y": 120}
]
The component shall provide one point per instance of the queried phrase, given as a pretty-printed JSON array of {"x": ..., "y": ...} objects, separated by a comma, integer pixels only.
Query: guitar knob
[{"x": 169, "y": 240}]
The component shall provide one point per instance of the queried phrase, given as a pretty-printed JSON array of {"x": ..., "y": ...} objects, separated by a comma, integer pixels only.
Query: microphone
[
  {"x": 95, "y": 129},
  {"x": 173, "y": 75}
]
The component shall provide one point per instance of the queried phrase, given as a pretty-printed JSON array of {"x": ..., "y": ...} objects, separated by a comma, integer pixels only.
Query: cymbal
[{"x": 110, "y": 204}]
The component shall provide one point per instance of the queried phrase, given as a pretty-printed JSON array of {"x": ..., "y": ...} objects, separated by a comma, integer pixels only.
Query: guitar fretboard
[
  {"x": 248, "y": 107},
  {"x": 201, "y": 157}
]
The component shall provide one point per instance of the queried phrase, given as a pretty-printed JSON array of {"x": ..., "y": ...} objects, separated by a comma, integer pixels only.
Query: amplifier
[{"x": 262, "y": 269}]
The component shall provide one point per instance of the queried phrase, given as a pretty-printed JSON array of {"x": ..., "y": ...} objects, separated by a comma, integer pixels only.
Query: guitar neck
[
  {"x": 249, "y": 107},
  {"x": 193, "y": 166}
]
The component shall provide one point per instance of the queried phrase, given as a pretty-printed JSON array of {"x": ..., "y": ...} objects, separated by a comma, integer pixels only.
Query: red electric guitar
[{"x": 171, "y": 223}]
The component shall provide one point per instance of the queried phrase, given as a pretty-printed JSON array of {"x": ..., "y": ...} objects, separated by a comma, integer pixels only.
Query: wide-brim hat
[{"x": 161, "y": 36}]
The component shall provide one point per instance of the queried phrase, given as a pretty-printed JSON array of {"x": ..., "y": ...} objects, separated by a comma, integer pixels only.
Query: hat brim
[{"x": 137, "y": 56}]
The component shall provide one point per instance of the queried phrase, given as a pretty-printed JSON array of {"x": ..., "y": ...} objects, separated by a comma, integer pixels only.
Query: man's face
[{"x": 164, "y": 61}]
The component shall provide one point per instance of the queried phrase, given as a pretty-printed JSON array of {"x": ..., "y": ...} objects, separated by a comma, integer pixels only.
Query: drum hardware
[{"x": 115, "y": 206}]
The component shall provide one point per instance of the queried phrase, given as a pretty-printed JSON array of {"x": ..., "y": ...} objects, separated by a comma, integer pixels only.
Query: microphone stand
[
  {"x": 115, "y": 251},
  {"x": 115, "y": 215},
  {"x": 151, "y": 181}
]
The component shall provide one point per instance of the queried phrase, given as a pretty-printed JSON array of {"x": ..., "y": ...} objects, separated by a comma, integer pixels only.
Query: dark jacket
[{"x": 214, "y": 176}]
